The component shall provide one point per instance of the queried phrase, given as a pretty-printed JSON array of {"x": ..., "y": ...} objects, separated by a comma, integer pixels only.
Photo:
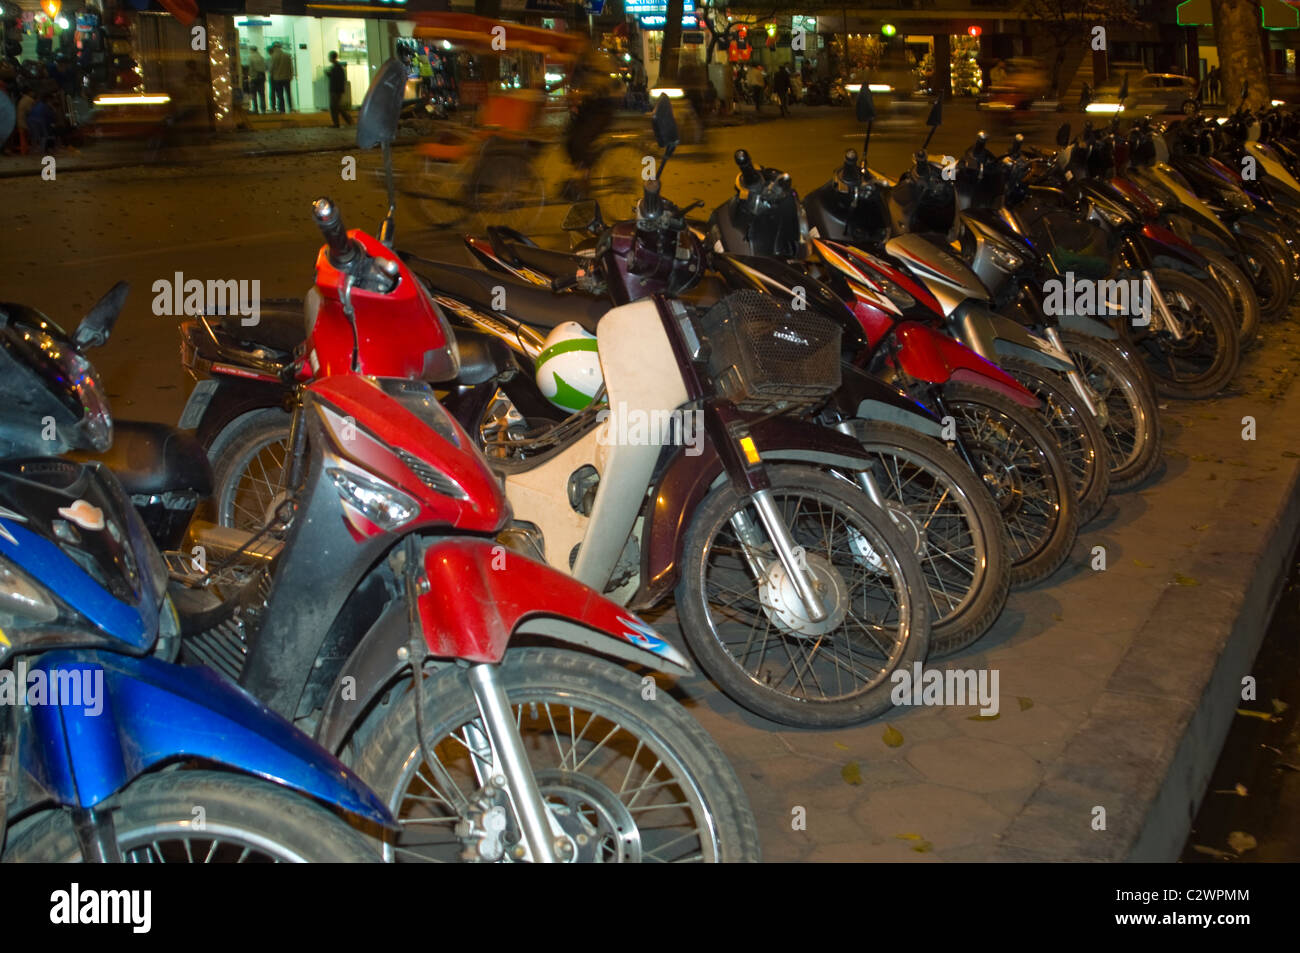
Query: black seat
[
  {"x": 527, "y": 303},
  {"x": 152, "y": 459},
  {"x": 550, "y": 263},
  {"x": 279, "y": 326}
]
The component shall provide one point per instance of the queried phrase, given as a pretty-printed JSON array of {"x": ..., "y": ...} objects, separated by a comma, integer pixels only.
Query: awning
[{"x": 1276, "y": 15}]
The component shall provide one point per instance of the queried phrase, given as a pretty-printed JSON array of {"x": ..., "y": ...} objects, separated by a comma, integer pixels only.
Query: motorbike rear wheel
[
  {"x": 245, "y": 820},
  {"x": 626, "y": 771},
  {"x": 752, "y": 635},
  {"x": 250, "y": 460}
]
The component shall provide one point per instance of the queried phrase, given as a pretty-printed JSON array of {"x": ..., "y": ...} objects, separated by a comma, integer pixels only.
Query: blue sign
[
  {"x": 593, "y": 7},
  {"x": 654, "y": 13}
]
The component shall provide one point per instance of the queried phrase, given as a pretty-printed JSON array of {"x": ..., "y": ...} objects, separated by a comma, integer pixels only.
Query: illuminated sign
[{"x": 654, "y": 13}]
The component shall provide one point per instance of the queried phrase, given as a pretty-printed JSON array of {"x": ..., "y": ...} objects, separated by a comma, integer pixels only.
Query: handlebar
[
  {"x": 329, "y": 219},
  {"x": 749, "y": 176}
]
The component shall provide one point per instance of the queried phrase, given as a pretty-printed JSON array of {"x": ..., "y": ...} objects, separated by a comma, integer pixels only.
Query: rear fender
[
  {"x": 218, "y": 401},
  {"x": 687, "y": 480},
  {"x": 151, "y": 712},
  {"x": 477, "y": 595}
]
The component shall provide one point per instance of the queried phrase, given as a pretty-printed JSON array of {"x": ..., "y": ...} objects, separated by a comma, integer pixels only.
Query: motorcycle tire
[
  {"x": 1205, "y": 361},
  {"x": 940, "y": 505},
  {"x": 249, "y": 460},
  {"x": 1272, "y": 283},
  {"x": 846, "y": 535},
  {"x": 1026, "y": 459},
  {"x": 245, "y": 820},
  {"x": 548, "y": 689},
  {"x": 1077, "y": 432},
  {"x": 1131, "y": 426},
  {"x": 1241, "y": 295}
]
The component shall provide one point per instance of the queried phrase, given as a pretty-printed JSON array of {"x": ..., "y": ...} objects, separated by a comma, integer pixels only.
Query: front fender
[
  {"x": 990, "y": 334},
  {"x": 687, "y": 480},
  {"x": 863, "y": 395},
  {"x": 147, "y": 712},
  {"x": 927, "y": 355},
  {"x": 1089, "y": 326},
  {"x": 478, "y": 595},
  {"x": 1167, "y": 250}
]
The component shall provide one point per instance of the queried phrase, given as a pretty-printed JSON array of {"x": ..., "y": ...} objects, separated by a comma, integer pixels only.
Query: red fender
[
  {"x": 928, "y": 355},
  {"x": 480, "y": 594}
]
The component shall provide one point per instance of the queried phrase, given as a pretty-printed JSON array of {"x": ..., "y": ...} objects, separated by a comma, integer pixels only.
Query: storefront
[{"x": 308, "y": 41}]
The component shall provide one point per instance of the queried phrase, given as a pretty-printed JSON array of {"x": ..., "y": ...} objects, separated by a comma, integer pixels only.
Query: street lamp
[
  {"x": 975, "y": 30},
  {"x": 888, "y": 29}
]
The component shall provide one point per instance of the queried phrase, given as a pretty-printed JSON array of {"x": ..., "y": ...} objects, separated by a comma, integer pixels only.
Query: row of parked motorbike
[{"x": 377, "y": 596}]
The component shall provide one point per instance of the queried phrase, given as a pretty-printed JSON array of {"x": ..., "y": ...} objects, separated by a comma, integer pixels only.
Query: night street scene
[{"x": 652, "y": 431}]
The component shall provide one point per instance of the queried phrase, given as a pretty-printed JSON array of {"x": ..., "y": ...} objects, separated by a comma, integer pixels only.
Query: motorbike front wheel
[
  {"x": 1017, "y": 457},
  {"x": 1241, "y": 296},
  {"x": 1131, "y": 427},
  {"x": 624, "y": 769},
  {"x": 753, "y": 634},
  {"x": 244, "y": 820},
  {"x": 1205, "y": 360},
  {"x": 1076, "y": 430},
  {"x": 250, "y": 461}
]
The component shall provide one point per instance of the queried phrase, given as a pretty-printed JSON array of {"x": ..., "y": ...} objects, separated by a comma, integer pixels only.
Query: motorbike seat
[
  {"x": 527, "y": 303},
  {"x": 152, "y": 459},
  {"x": 279, "y": 326},
  {"x": 550, "y": 263}
]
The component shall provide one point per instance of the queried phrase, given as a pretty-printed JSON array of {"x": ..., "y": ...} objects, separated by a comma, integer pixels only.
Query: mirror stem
[
  {"x": 866, "y": 143},
  {"x": 386, "y": 232}
]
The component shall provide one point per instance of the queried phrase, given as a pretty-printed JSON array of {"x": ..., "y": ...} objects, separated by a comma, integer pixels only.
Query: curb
[{"x": 1151, "y": 741}]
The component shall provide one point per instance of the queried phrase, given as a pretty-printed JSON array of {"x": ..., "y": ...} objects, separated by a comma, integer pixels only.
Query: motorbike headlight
[
  {"x": 21, "y": 599},
  {"x": 385, "y": 506},
  {"x": 1005, "y": 259}
]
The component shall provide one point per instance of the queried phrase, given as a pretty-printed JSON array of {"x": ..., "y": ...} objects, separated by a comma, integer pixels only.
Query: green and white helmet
[{"x": 568, "y": 369}]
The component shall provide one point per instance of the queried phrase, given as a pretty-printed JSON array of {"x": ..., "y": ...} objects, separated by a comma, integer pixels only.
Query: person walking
[
  {"x": 781, "y": 86},
  {"x": 257, "y": 80},
  {"x": 1212, "y": 83},
  {"x": 281, "y": 76},
  {"x": 757, "y": 85},
  {"x": 337, "y": 74}
]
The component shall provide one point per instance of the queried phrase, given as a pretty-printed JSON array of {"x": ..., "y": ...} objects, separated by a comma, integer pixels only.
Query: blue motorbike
[{"x": 108, "y": 750}]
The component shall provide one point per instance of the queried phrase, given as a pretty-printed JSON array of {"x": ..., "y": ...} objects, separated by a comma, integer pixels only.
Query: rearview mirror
[
  {"x": 866, "y": 105},
  {"x": 377, "y": 118},
  {"x": 664, "y": 124},
  {"x": 1063, "y": 135},
  {"x": 97, "y": 325},
  {"x": 583, "y": 217}
]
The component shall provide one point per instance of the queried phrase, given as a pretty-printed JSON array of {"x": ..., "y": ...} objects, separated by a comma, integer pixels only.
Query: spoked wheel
[
  {"x": 1268, "y": 273},
  {"x": 628, "y": 776},
  {"x": 434, "y": 189},
  {"x": 1077, "y": 432},
  {"x": 250, "y": 466},
  {"x": 1237, "y": 288},
  {"x": 1131, "y": 423},
  {"x": 1017, "y": 457},
  {"x": 1205, "y": 360},
  {"x": 504, "y": 189},
  {"x": 245, "y": 820},
  {"x": 955, "y": 529},
  {"x": 754, "y": 635}
]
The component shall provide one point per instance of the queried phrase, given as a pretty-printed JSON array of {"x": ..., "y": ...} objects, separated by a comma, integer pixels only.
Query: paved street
[{"x": 1116, "y": 687}]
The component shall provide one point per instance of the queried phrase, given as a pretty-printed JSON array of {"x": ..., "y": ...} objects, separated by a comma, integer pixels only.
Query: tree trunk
[
  {"x": 670, "y": 54},
  {"x": 1237, "y": 30}
]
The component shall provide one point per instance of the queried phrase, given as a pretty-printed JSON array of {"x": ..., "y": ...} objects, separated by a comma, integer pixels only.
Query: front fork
[
  {"x": 1076, "y": 377},
  {"x": 791, "y": 555}
]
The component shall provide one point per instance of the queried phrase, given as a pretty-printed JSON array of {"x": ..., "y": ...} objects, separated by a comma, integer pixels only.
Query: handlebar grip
[
  {"x": 748, "y": 174},
  {"x": 330, "y": 221},
  {"x": 651, "y": 203},
  {"x": 850, "y": 162}
]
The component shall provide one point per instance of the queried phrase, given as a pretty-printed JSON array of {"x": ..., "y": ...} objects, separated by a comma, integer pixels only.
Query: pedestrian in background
[
  {"x": 781, "y": 86},
  {"x": 257, "y": 80},
  {"x": 1213, "y": 80},
  {"x": 337, "y": 74},
  {"x": 757, "y": 85},
  {"x": 281, "y": 76}
]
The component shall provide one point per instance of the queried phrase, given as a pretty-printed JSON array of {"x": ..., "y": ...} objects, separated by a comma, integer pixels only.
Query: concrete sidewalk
[{"x": 1117, "y": 687}]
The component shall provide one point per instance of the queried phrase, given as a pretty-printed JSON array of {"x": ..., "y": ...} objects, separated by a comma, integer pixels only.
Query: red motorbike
[{"x": 393, "y": 623}]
